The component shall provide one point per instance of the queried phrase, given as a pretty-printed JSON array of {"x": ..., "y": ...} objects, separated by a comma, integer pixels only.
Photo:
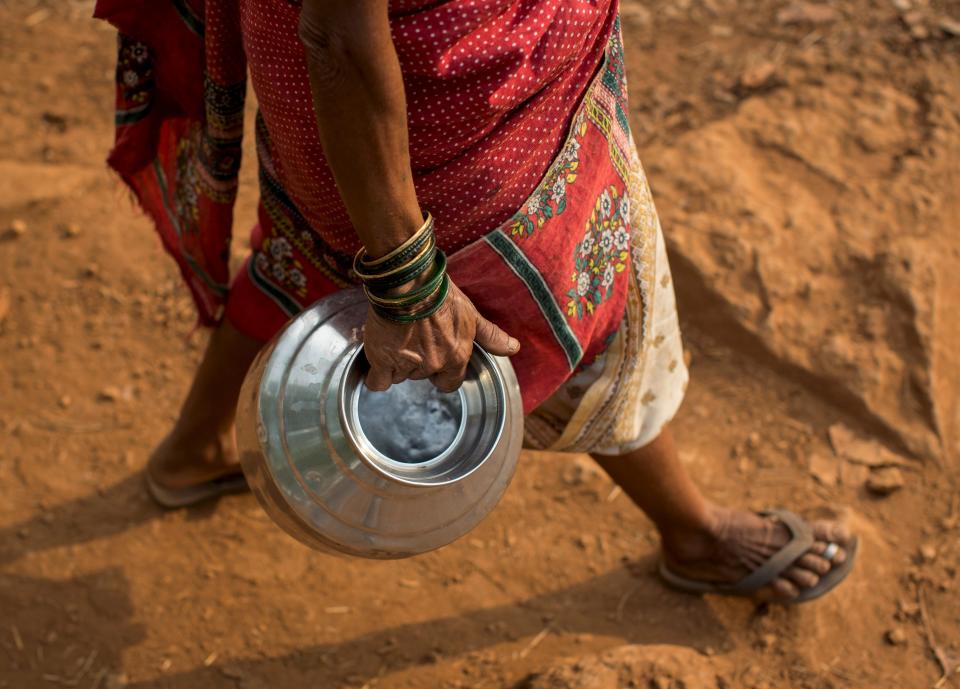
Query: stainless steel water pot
[{"x": 379, "y": 475}]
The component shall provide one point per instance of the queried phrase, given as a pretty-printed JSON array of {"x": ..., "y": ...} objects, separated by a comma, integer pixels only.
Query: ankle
[{"x": 695, "y": 540}]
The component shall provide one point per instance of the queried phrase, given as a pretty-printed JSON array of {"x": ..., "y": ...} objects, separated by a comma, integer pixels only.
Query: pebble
[
  {"x": 758, "y": 76},
  {"x": 111, "y": 393},
  {"x": 15, "y": 230},
  {"x": 767, "y": 641},
  {"x": 806, "y": 13},
  {"x": 949, "y": 26},
  {"x": 71, "y": 231},
  {"x": 885, "y": 481},
  {"x": 928, "y": 552},
  {"x": 4, "y": 304},
  {"x": 896, "y": 637},
  {"x": 64, "y": 401}
]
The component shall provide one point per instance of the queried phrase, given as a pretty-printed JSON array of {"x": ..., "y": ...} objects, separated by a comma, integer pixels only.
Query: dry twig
[
  {"x": 947, "y": 667},
  {"x": 534, "y": 642},
  {"x": 623, "y": 602},
  {"x": 17, "y": 639}
]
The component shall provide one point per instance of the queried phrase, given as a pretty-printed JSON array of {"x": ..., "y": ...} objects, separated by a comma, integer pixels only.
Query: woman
[{"x": 503, "y": 123}]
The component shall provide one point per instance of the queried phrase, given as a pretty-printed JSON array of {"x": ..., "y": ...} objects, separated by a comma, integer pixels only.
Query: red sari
[{"x": 519, "y": 145}]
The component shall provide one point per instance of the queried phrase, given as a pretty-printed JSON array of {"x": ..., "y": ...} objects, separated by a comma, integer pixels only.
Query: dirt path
[{"x": 98, "y": 588}]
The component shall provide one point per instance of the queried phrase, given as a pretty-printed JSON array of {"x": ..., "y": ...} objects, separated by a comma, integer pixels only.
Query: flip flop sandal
[
  {"x": 173, "y": 498},
  {"x": 801, "y": 540}
]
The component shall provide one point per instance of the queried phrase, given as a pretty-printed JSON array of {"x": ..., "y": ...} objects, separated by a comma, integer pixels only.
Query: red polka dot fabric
[{"x": 491, "y": 86}]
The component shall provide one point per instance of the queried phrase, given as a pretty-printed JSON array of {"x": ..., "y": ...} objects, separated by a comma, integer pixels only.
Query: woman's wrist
[
  {"x": 382, "y": 232},
  {"x": 409, "y": 282}
]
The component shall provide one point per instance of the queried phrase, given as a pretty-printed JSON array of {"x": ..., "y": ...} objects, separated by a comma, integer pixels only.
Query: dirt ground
[{"x": 100, "y": 589}]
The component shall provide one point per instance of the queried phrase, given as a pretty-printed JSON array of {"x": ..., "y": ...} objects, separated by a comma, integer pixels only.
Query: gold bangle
[
  {"x": 428, "y": 247},
  {"x": 425, "y": 227}
]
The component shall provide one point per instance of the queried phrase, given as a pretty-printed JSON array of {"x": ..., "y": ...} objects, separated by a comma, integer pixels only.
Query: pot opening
[
  {"x": 416, "y": 434},
  {"x": 411, "y": 422}
]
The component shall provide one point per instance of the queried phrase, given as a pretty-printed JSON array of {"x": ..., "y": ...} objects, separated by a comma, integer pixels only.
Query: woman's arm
[{"x": 361, "y": 115}]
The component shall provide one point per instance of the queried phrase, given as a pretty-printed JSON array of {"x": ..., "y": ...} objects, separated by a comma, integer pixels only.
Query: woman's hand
[{"x": 437, "y": 347}]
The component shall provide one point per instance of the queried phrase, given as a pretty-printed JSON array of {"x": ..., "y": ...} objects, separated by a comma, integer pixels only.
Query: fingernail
[{"x": 514, "y": 344}]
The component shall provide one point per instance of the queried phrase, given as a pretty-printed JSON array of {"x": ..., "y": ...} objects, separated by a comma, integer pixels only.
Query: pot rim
[{"x": 384, "y": 469}]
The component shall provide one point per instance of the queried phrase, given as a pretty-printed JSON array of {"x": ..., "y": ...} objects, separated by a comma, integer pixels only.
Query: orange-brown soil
[{"x": 806, "y": 167}]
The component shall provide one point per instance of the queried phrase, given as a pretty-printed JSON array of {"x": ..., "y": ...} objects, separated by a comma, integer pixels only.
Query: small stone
[
  {"x": 662, "y": 682},
  {"x": 949, "y": 26},
  {"x": 91, "y": 270},
  {"x": 853, "y": 475},
  {"x": 758, "y": 76},
  {"x": 806, "y": 13},
  {"x": 902, "y": 5},
  {"x": 70, "y": 231},
  {"x": 896, "y": 637},
  {"x": 885, "y": 481},
  {"x": 767, "y": 641},
  {"x": 15, "y": 230},
  {"x": 108, "y": 394},
  {"x": 826, "y": 470},
  {"x": 64, "y": 401},
  {"x": 908, "y": 608},
  {"x": 111, "y": 393},
  {"x": 753, "y": 440},
  {"x": 928, "y": 552},
  {"x": 581, "y": 470},
  {"x": 5, "y": 302}
]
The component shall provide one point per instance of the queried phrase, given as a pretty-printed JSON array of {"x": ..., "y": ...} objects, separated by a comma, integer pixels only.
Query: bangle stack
[{"x": 407, "y": 262}]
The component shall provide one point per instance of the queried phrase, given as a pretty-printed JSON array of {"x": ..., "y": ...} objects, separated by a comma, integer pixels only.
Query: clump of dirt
[{"x": 803, "y": 156}]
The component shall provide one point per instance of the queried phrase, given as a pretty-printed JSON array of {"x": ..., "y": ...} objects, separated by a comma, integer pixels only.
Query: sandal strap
[{"x": 801, "y": 540}]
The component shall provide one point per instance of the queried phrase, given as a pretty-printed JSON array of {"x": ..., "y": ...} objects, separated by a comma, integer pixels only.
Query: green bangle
[
  {"x": 424, "y": 253},
  {"x": 416, "y": 295},
  {"x": 408, "y": 273},
  {"x": 420, "y": 314}
]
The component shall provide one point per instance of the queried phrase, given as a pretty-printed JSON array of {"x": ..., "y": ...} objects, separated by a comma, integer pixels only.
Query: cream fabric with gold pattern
[{"x": 623, "y": 399}]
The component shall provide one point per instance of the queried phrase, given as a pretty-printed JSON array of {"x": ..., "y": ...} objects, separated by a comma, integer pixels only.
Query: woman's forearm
[{"x": 360, "y": 108}]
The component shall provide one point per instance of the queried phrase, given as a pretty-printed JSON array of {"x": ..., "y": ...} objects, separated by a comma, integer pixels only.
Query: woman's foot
[
  {"x": 202, "y": 446},
  {"x": 704, "y": 543},
  {"x": 732, "y": 543},
  {"x": 184, "y": 460}
]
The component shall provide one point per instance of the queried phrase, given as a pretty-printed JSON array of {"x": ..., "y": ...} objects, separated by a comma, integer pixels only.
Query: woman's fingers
[
  {"x": 494, "y": 340},
  {"x": 449, "y": 381},
  {"x": 379, "y": 378}
]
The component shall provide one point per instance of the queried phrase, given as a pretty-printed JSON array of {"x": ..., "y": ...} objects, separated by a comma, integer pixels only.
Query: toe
[
  {"x": 820, "y": 547},
  {"x": 814, "y": 563},
  {"x": 784, "y": 589},
  {"x": 830, "y": 531},
  {"x": 802, "y": 577}
]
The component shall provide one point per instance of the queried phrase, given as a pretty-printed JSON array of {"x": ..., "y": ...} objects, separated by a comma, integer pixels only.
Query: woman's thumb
[{"x": 494, "y": 340}]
